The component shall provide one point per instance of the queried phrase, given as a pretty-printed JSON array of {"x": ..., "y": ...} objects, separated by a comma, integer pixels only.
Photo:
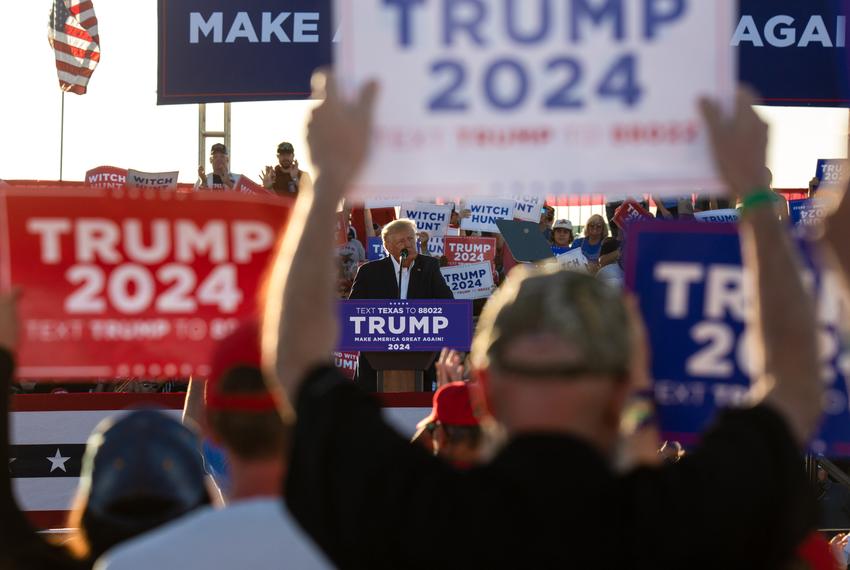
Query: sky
[{"x": 118, "y": 122}]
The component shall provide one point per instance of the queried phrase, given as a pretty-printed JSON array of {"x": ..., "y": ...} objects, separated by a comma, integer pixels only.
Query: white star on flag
[{"x": 57, "y": 461}]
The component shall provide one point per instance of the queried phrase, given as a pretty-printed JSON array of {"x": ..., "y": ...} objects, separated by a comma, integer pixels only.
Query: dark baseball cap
[
  {"x": 218, "y": 147},
  {"x": 285, "y": 147},
  {"x": 143, "y": 456}
]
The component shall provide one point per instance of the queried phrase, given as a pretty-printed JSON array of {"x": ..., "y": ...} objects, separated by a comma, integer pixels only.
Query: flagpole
[{"x": 62, "y": 138}]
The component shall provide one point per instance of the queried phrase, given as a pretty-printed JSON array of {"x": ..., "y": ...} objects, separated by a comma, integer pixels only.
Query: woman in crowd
[{"x": 594, "y": 232}]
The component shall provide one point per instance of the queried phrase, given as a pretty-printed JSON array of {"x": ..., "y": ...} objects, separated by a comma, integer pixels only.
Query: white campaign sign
[
  {"x": 573, "y": 259},
  {"x": 501, "y": 97},
  {"x": 527, "y": 208},
  {"x": 472, "y": 281},
  {"x": 484, "y": 213},
  {"x": 155, "y": 180},
  {"x": 431, "y": 218},
  {"x": 436, "y": 247},
  {"x": 727, "y": 215}
]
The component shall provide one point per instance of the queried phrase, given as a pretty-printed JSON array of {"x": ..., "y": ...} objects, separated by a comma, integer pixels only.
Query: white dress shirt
[{"x": 405, "y": 277}]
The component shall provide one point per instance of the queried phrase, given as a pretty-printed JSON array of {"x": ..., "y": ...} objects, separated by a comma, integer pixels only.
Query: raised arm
[
  {"x": 300, "y": 326},
  {"x": 784, "y": 311}
]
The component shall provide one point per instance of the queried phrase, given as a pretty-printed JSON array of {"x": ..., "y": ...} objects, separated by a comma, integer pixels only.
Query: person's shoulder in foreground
[{"x": 257, "y": 533}]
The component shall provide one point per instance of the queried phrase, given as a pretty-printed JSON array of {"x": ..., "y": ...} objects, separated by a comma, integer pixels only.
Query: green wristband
[{"x": 757, "y": 198}]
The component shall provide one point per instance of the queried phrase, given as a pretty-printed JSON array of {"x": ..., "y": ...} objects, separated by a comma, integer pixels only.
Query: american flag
[
  {"x": 72, "y": 33},
  {"x": 49, "y": 434}
]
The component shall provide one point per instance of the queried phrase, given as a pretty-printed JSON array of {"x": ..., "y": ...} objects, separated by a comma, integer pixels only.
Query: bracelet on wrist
[{"x": 759, "y": 197}]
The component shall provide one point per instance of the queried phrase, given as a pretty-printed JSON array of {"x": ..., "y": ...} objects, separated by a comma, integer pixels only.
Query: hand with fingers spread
[
  {"x": 267, "y": 176},
  {"x": 449, "y": 367}
]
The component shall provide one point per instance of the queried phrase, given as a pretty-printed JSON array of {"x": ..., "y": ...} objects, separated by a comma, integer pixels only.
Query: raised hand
[
  {"x": 449, "y": 367},
  {"x": 739, "y": 143},
  {"x": 267, "y": 176},
  {"x": 339, "y": 132}
]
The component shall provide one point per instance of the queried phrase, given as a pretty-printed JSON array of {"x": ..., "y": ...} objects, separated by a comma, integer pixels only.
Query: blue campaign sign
[
  {"x": 690, "y": 282},
  {"x": 829, "y": 170},
  {"x": 793, "y": 52},
  {"x": 251, "y": 50},
  {"x": 805, "y": 213},
  {"x": 376, "y": 249},
  {"x": 418, "y": 325}
]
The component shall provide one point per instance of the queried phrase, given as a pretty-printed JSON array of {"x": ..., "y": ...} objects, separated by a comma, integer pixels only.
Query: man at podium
[{"x": 419, "y": 278}]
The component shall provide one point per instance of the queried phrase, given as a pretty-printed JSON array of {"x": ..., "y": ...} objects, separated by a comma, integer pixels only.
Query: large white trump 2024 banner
[{"x": 507, "y": 97}]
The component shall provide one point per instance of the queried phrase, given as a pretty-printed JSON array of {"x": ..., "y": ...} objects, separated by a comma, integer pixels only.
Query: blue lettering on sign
[
  {"x": 544, "y": 13},
  {"x": 507, "y": 83},
  {"x": 466, "y": 275},
  {"x": 412, "y": 325},
  {"x": 488, "y": 213},
  {"x": 611, "y": 9}
]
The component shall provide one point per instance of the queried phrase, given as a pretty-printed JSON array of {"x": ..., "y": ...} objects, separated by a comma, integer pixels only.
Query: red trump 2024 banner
[{"x": 131, "y": 283}]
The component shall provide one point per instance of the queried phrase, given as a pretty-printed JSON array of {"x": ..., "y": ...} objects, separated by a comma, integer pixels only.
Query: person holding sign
[
  {"x": 555, "y": 353},
  {"x": 221, "y": 177},
  {"x": 403, "y": 274}
]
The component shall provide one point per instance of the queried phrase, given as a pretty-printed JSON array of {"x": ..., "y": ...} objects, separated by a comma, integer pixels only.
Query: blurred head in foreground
[
  {"x": 140, "y": 470},
  {"x": 552, "y": 351}
]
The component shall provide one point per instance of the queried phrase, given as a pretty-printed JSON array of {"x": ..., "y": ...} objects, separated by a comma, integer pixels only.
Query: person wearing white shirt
[{"x": 255, "y": 530}]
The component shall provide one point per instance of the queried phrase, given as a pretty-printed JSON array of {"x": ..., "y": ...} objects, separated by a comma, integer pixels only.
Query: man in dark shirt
[
  {"x": 554, "y": 353},
  {"x": 286, "y": 179},
  {"x": 379, "y": 279}
]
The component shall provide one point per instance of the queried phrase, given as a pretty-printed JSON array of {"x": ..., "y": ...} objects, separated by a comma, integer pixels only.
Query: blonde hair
[
  {"x": 595, "y": 217},
  {"x": 397, "y": 226}
]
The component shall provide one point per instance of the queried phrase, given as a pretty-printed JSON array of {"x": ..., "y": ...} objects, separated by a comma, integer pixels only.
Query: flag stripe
[
  {"x": 79, "y": 45},
  {"x": 82, "y": 56},
  {"x": 71, "y": 73},
  {"x": 70, "y": 82},
  {"x": 45, "y": 493},
  {"x": 80, "y": 33}
]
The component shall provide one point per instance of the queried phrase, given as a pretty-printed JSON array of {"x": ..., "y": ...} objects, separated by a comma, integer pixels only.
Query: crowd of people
[{"x": 518, "y": 455}]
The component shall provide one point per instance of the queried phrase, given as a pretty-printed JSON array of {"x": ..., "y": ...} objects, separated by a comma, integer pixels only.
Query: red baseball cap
[
  {"x": 452, "y": 405},
  {"x": 240, "y": 348}
]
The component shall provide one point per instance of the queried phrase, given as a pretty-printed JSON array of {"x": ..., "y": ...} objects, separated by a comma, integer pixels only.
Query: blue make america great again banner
[
  {"x": 792, "y": 51},
  {"x": 690, "y": 284},
  {"x": 243, "y": 50},
  {"x": 396, "y": 325}
]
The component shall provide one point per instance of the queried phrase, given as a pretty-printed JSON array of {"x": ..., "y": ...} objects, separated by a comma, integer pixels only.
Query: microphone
[{"x": 402, "y": 256}]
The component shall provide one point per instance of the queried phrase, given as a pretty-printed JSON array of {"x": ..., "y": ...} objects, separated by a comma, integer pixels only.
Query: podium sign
[{"x": 401, "y": 325}]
